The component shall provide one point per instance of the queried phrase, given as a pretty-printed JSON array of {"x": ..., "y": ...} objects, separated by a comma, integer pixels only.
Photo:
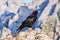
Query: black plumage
[{"x": 29, "y": 21}]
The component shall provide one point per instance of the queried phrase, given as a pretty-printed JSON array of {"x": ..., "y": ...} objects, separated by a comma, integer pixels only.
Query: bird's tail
[{"x": 20, "y": 28}]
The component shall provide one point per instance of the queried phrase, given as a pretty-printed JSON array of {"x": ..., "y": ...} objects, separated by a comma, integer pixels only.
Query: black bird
[{"x": 29, "y": 21}]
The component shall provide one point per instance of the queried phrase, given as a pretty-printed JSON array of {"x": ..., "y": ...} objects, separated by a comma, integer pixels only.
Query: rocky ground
[{"x": 25, "y": 35}]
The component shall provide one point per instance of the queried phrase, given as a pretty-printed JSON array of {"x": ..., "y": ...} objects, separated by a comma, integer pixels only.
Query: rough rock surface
[
  {"x": 50, "y": 24},
  {"x": 25, "y": 35}
]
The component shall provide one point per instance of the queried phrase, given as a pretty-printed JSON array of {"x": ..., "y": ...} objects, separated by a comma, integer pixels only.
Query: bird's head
[
  {"x": 35, "y": 12},
  {"x": 33, "y": 16}
]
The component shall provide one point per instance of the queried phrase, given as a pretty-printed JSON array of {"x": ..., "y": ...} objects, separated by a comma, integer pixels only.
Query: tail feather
[{"x": 20, "y": 28}]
